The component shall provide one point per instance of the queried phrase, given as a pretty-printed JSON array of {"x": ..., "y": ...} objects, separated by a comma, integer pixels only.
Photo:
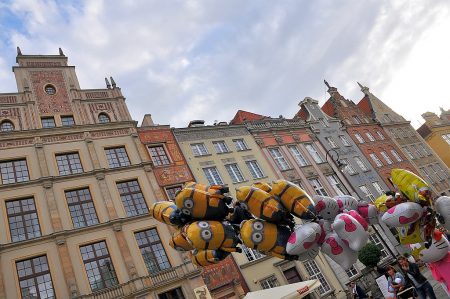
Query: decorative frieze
[
  {"x": 62, "y": 138},
  {"x": 8, "y": 99},
  {"x": 209, "y": 133},
  {"x": 110, "y": 133},
  {"x": 172, "y": 175},
  {"x": 16, "y": 143},
  {"x": 97, "y": 95},
  {"x": 43, "y": 63}
]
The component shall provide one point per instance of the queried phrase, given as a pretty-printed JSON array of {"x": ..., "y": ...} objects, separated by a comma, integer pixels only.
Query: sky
[{"x": 185, "y": 60}]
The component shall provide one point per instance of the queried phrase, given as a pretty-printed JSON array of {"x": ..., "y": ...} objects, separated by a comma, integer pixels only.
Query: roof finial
[
  {"x": 113, "y": 82},
  {"x": 61, "y": 52},
  {"x": 360, "y": 85},
  {"x": 108, "y": 85},
  {"x": 364, "y": 89},
  {"x": 326, "y": 83},
  {"x": 18, "y": 51}
]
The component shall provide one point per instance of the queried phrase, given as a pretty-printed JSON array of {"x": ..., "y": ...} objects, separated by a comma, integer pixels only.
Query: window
[
  {"x": 269, "y": 282},
  {"x": 50, "y": 89},
  {"x": 427, "y": 174},
  {"x": 98, "y": 265},
  {"x": 331, "y": 142},
  {"x": 336, "y": 184},
  {"x": 235, "y": 173},
  {"x": 220, "y": 146},
  {"x": 446, "y": 138},
  {"x": 199, "y": 149},
  {"x": 81, "y": 207},
  {"x": 361, "y": 164},
  {"x": 351, "y": 271},
  {"x": 159, "y": 155},
  {"x": 348, "y": 167},
  {"x": 344, "y": 140},
  {"x": 23, "y": 219},
  {"x": 172, "y": 192},
  {"x": 323, "y": 122},
  {"x": 416, "y": 149},
  {"x": 279, "y": 158},
  {"x": 408, "y": 152},
  {"x": 396, "y": 156},
  {"x": 117, "y": 157},
  {"x": 48, "y": 122},
  {"x": 366, "y": 191},
  {"x": 380, "y": 135},
  {"x": 375, "y": 159},
  {"x": 377, "y": 187},
  {"x": 299, "y": 158},
  {"x": 439, "y": 171},
  {"x": 67, "y": 120},
  {"x": 376, "y": 240},
  {"x": 103, "y": 118},
  {"x": 172, "y": 294},
  {"x": 35, "y": 280},
  {"x": 359, "y": 138},
  {"x": 69, "y": 163},
  {"x": 356, "y": 120},
  {"x": 254, "y": 169},
  {"x": 240, "y": 144},
  {"x": 425, "y": 149},
  {"x": 292, "y": 275},
  {"x": 314, "y": 273},
  {"x": 314, "y": 153},
  {"x": 371, "y": 138},
  {"x": 152, "y": 250},
  {"x": 14, "y": 171},
  {"x": 251, "y": 254},
  {"x": 386, "y": 157},
  {"x": 318, "y": 188},
  {"x": 132, "y": 198},
  {"x": 6, "y": 126},
  {"x": 213, "y": 176}
]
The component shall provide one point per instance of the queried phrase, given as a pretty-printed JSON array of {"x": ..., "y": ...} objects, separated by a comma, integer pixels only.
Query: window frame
[
  {"x": 298, "y": 156},
  {"x": 378, "y": 188},
  {"x": 396, "y": 155},
  {"x": 196, "y": 146},
  {"x": 314, "y": 153},
  {"x": 9, "y": 126},
  {"x": 381, "y": 135},
  {"x": 386, "y": 157},
  {"x": 214, "y": 182},
  {"x": 35, "y": 275},
  {"x": 269, "y": 282},
  {"x": 34, "y": 229},
  {"x": 235, "y": 173},
  {"x": 446, "y": 138},
  {"x": 64, "y": 118},
  {"x": 361, "y": 164},
  {"x": 250, "y": 254},
  {"x": 279, "y": 157},
  {"x": 180, "y": 187},
  {"x": 115, "y": 158},
  {"x": 15, "y": 172},
  {"x": 157, "y": 161},
  {"x": 336, "y": 184},
  {"x": 348, "y": 167},
  {"x": 331, "y": 142},
  {"x": 138, "y": 203},
  {"x": 376, "y": 241},
  {"x": 160, "y": 265},
  {"x": 221, "y": 147},
  {"x": 103, "y": 118},
  {"x": 314, "y": 272},
  {"x": 344, "y": 140},
  {"x": 252, "y": 170},
  {"x": 319, "y": 190},
  {"x": 82, "y": 205},
  {"x": 71, "y": 168},
  {"x": 376, "y": 160},
  {"x": 239, "y": 149},
  {"x": 370, "y": 137},
  {"x": 359, "y": 138},
  {"x": 364, "y": 189},
  {"x": 44, "y": 120}
]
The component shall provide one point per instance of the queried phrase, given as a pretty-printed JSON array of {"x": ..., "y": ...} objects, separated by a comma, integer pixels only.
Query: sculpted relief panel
[{"x": 170, "y": 175}]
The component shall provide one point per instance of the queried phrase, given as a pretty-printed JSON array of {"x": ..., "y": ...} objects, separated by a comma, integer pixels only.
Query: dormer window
[
  {"x": 6, "y": 126},
  {"x": 103, "y": 118},
  {"x": 50, "y": 89}
]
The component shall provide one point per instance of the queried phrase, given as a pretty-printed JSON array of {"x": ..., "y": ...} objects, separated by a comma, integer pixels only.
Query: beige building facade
[
  {"x": 228, "y": 154},
  {"x": 75, "y": 188}
]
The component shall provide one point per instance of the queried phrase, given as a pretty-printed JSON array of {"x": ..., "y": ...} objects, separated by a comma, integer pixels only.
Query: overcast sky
[{"x": 184, "y": 60}]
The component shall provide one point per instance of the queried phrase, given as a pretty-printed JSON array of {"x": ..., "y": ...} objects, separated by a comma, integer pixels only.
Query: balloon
[
  {"x": 338, "y": 251},
  {"x": 359, "y": 218},
  {"x": 402, "y": 214},
  {"x": 438, "y": 249},
  {"x": 212, "y": 235},
  {"x": 414, "y": 187},
  {"x": 294, "y": 199},
  {"x": 411, "y": 234},
  {"x": 326, "y": 207},
  {"x": 168, "y": 213},
  {"x": 179, "y": 242},
  {"x": 200, "y": 204},
  {"x": 303, "y": 238},
  {"x": 263, "y": 186},
  {"x": 442, "y": 207},
  {"x": 265, "y": 236},
  {"x": 350, "y": 231},
  {"x": 346, "y": 202},
  {"x": 213, "y": 190},
  {"x": 208, "y": 257},
  {"x": 310, "y": 254},
  {"x": 368, "y": 211},
  {"x": 325, "y": 226}
]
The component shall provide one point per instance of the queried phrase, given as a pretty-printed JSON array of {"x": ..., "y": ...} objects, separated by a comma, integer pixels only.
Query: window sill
[
  {"x": 205, "y": 155},
  {"x": 222, "y": 153},
  {"x": 244, "y": 150}
]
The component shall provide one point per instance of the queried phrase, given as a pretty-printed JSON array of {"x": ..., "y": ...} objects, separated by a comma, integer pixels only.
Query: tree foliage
[{"x": 370, "y": 255}]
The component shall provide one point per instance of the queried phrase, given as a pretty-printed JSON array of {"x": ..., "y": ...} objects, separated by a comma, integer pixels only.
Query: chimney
[
  {"x": 196, "y": 123},
  {"x": 147, "y": 121}
]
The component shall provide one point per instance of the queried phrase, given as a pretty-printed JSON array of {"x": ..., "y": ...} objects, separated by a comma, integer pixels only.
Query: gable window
[
  {"x": 371, "y": 138},
  {"x": 159, "y": 155},
  {"x": 6, "y": 126},
  {"x": 132, "y": 198},
  {"x": 48, "y": 122},
  {"x": 279, "y": 158},
  {"x": 240, "y": 144},
  {"x": 331, "y": 142},
  {"x": 318, "y": 188},
  {"x": 396, "y": 156},
  {"x": 359, "y": 138},
  {"x": 344, "y": 140},
  {"x": 152, "y": 250},
  {"x": 172, "y": 191},
  {"x": 375, "y": 159},
  {"x": 221, "y": 147},
  {"x": 15, "y": 171},
  {"x": 234, "y": 172},
  {"x": 69, "y": 163},
  {"x": 212, "y": 175},
  {"x": 380, "y": 135},
  {"x": 23, "y": 219},
  {"x": 117, "y": 157},
  {"x": 361, "y": 164},
  {"x": 35, "y": 280},
  {"x": 103, "y": 118},
  {"x": 254, "y": 169},
  {"x": 67, "y": 120},
  {"x": 81, "y": 207},
  {"x": 386, "y": 157},
  {"x": 199, "y": 149},
  {"x": 314, "y": 153},
  {"x": 298, "y": 156}
]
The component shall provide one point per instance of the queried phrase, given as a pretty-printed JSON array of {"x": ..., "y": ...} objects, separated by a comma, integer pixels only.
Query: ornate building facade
[
  {"x": 76, "y": 184},
  {"x": 415, "y": 149}
]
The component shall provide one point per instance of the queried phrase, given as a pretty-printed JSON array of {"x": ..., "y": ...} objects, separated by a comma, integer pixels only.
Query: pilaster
[
  {"x": 67, "y": 267},
  {"x": 106, "y": 195},
  {"x": 125, "y": 251},
  {"x": 91, "y": 149}
]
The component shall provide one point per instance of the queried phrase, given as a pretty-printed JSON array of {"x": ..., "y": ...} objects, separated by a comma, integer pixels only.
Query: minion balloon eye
[
  {"x": 188, "y": 203},
  {"x": 258, "y": 225},
  {"x": 257, "y": 238},
  {"x": 203, "y": 224},
  {"x": 206, "y": 235}
]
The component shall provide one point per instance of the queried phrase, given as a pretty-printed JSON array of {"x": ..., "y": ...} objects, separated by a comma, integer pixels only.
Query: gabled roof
[{"x": 242, "y": 116}]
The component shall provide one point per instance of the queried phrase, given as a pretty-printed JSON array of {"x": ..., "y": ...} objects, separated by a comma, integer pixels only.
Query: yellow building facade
[{"x": 76, "y": 185}]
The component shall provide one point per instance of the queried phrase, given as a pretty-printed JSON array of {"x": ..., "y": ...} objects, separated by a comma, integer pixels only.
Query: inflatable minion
[
  {"x": 213, "y": 235},
  {"x": 263, "y": 186},
  {"x": 179, "y": 242},
  {"x": 294, "y": 199},
  {"x": 213, "y": 190},
  {"x": 204, "y": 258},
  {"x": 200, "y": 204},
  {"x": 168, "y": 213}
]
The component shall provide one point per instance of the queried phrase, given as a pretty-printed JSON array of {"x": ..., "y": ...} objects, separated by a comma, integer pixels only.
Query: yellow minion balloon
[
  {"x": 412, "y": 186},
  {"x": 201, "y": 204},
  {"x": 213, "y": 190},
  {"x": 168, "y": 213},
  {"x": 265, "y": 237},
  {"x": 179, "y": 242},
  {"x": 205, "y": 235},
  {"x": 208, "y": 257},
  {"x": 263, "y": 186},
  {"x": 262, "y": 204},
  {"x": 294, "y": 199}
]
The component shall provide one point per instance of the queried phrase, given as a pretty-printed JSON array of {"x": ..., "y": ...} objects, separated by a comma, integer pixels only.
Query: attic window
[{"x": 50, "y": 89}]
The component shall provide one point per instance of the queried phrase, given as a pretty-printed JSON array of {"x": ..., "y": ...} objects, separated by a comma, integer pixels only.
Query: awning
[{"x": 295, "y": 290}]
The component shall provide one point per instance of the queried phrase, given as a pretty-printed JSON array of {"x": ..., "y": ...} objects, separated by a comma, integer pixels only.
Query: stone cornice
[{"x": 209, "y": 132}]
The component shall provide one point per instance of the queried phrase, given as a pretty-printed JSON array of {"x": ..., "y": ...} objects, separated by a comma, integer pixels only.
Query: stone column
[{"x": 67, "y": 267}]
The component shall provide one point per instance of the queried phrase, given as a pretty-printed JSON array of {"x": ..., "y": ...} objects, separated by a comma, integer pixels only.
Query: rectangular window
[
  {"x": 172, "y": 294},
  {"x": 318, "y": 188},
  {"x": 152, "y": 250},
  {"x": 251, "y": 254},
  {"x": 331, "y": 142},
  {"x": 380, "y": 135},
  {"x": 375, "y": 159},
  {"x": 424, "y": 149},
  {"x": 132, "y": 198},
  {"x": 371, "y": 138},
  {"x": 361, "y": 164},
  {"x": 375, "y": 240},
  {"x": 396, "y": 156},
  {"x": 270, "y": 282},
  {"x": 446, "y": 138},
  {"x": 299, "y": 158},
  {"x": 344, "y": 140},
  {"x": 117, "y": 157},
  {"x": 67, "y": 120},
  {"x": 81, "y": 207},
  {"x": 336, "y": 184},
  {"x": 366, "y": 191},
  {"x": 23, "y": 219},
  {"x": 69, "y": 163},
  {"x": 48, "y": 122},
  {"x": 14, "y": 171},
  {"x": 35, "y": 280},
  {"x": 240, "y": 144},
  {"x": 159, "y": 155},
  {"x": 427, "y": 174},
  {"x": 377, "y": 187},
  {"x": 234, "y": 172},
  {"x": 351, "y": 271},
  {"x": 314, "y": 273},
  {"x": 292, "y": 275},
  {"x": 314, "y": 153},
  {"x": 213, "y": 176},
  {"x": 359, "y": 138},
  {"x": 440, "y": 172},
  {"x": 356, "y": 120},
  {"x": 172, "y": 191},
  {"x": 408, "y": 152},
  {"x": 220, "y": 146},
  {"x": 348, "y": 167},
  {"x": 254, "y": 169},
  {"x": 386, "y": 157},
  {"x": 99, "y": 267},
  {"x": 279, "y": 158},
  {"x": 199, "y": 149},
  {"x": 417, "y": 150}
]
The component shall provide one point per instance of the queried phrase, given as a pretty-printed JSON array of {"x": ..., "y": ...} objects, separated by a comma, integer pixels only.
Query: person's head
[
  {"x": 352, "y": 284},
  {"x": 391, "y": 270},
  {"x": 403, "y": 261}
]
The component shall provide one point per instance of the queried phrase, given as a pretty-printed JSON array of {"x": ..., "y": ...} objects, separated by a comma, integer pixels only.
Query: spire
[
  {"x": 326, "y": 83},
  {"x": 113, "y": 82},
  {"x": 331, "y": 90},
  {"x": 108, "y": 85},
  {"x": 61, "y": 52},
  {"x": 364, "y": 89},
  {"x": 18, "y": 51}
]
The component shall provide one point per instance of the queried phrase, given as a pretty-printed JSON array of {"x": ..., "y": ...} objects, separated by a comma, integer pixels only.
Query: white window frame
[
  {"x": 314, "y": 153},
  {"x": 446, "y": 138},
  {"x": 386, "y": 157},
  {"x": 318, "y": 187},
  {"x": 213, "y": 180},
  {"x": 254, "y": 168},
  {"x": 366, "y": 191},
  {"x": 359, "y": 138},
  {"x": 438, "y": 169},
  {"x": 331, "y": 142},
  {"x": 298, "y": 156},
  {"x": 314, "y": 272},
  {"x": 240, "y": 145},
  {"x": 279, "y": 158},
  {"x": 370, "y": 136},
  {"x": 199, "y": 149},
  {"x": 356, "y": 120},
  {"x": 337, "y": 185},
  {"x": 235, "y": 173},
  {"x": 344, "y": 140},
  {"x": 428, "y": 175},
  {"x": 396, "y": 155},
  {"x": 376, "y": 160},
  {"x": 269, "y": 282},
  {"x": 381, "y": 135},
  {"x": 361, "y": 164},
  {"x": 376, "y": 241},
  {"x": 377, "y": 187},
  {"x": 348, "y": 167},
  {"x": 425, "y": 149},
  {"x": 417, "y": 150},
  {"x": 250, "y": 254},
  {"x": 408, "y": 152},
  {"x": 220, "y": 146},
  {"x": 352, "y": 271}
]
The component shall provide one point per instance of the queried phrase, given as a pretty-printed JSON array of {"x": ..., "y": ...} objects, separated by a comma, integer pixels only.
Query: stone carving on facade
[
  {"x": 207, "y": 163},
  {"x": 279, "y": 140},
  {"x": 8, "y": 99},
  {"x": 195, "y": 134},
  {"x": 110, "y": 133},
  {"x": 260, "y": 142},
  {"x": 296, "y": 138},
  {"x": 62, "y": 138},
  {"x": 172, "y": 175}
]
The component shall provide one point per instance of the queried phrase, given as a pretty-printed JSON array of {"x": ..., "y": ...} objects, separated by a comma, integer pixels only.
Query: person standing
[
  {"x": 396, "y": 281},
  {"x": 420, "y": 283},
  {"x": 357, "y": 291}
]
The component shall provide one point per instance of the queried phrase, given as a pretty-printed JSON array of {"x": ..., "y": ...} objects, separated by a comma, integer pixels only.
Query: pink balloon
[
  {"x": 303, "y": 238},
  {"x": 339, "y": 251},
  {"x": 360, "y": 219},
  {"x": 402, "y": 214},
  {"x": 346, "y": 202},
  {"x": 326, "y": 207},
  {"x": 369, "y": 212},
  {"x": 350, "y": 231}
]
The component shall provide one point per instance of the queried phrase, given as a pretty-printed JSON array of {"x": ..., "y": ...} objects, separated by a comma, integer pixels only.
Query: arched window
[
  {"x": 103, "y": 118},
  {"x": 6, "y": 126}
]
